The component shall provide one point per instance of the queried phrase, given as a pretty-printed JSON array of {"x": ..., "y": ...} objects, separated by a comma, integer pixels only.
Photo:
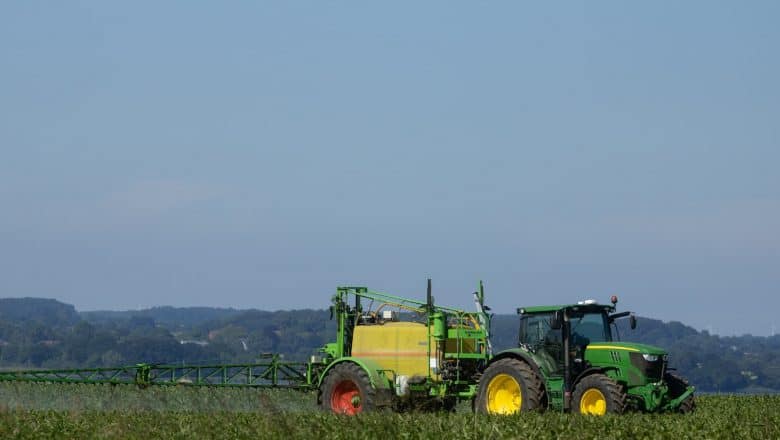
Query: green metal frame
[{"x": 351, "y": 302}]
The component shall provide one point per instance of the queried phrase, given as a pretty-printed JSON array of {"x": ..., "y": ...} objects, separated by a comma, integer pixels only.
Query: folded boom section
[{"x": 269, "y": 373}]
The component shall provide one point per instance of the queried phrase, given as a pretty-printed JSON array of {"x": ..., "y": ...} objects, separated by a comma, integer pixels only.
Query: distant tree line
[{"x": 44, "y": 333}]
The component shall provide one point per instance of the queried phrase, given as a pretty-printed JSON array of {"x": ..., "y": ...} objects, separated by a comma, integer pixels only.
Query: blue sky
[{"x": 253, "y": 154}]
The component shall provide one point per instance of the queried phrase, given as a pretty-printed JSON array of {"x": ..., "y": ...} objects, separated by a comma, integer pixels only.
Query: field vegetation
[{"x": 95, "y": 411}]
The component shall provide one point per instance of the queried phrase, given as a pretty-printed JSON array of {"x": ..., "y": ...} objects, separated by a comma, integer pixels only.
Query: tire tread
[
  {"x": 531, "y": 385},
  {"x": 349, "y": 371}
]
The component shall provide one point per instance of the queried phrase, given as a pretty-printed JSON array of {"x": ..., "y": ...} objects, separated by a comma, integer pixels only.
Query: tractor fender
[
  {"x": 378, "y": 381},
  {"x": 516, "y": 353},
  {"x": 588, "y": 371}
]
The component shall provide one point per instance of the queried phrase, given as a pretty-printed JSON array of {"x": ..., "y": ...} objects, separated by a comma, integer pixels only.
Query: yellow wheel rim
[
  {"x": 504, "y": 395},
  {"x": 593, "y": 402}
]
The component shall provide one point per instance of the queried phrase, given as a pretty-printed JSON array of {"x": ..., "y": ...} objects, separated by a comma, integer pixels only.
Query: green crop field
[{"x": 101, "y": 411}]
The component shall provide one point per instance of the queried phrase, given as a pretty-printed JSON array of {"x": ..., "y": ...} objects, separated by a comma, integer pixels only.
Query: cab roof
[{"x": 581, "y": 306}]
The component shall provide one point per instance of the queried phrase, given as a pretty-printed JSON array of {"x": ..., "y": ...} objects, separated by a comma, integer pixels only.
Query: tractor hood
[{"x": 626, "y": 346}]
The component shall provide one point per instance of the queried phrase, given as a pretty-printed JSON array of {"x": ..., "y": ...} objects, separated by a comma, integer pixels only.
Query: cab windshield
[{"x": 587, "y": 327}]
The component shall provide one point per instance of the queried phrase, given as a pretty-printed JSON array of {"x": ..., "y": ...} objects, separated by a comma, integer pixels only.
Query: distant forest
[{"x": 45, "y": 333}]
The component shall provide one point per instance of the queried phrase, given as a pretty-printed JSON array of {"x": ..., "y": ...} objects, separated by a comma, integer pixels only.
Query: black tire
[
  {"x": 513, "y": 373},
  {"x": 677, "y": 386},
  {"x": 602, "y": 395},
  {"x": 688, "y": 405},
  {"x": 347, "y": 389}
]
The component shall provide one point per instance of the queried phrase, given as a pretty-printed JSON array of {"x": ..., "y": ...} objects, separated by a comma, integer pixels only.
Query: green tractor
[{"x": 569, "y": 359}]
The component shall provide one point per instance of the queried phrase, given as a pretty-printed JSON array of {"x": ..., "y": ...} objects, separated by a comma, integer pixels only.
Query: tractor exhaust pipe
[{"x": 429, "y": 297}]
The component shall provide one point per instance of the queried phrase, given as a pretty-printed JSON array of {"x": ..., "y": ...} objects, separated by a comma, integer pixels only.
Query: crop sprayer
[{"x": 402, "y": 354}]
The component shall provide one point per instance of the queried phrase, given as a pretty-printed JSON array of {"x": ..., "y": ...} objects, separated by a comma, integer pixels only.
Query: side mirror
[
  {"x": 632, "y": 321},
  {"x": 556, "y": 322}
]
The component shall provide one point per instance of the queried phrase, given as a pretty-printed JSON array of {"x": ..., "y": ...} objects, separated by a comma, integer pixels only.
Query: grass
[{"x": 92, "y": 411}]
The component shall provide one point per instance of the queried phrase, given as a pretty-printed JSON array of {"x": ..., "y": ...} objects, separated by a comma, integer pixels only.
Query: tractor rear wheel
[
  {"x": 597, "y": 395},
  {"x": 347, "y": 389},
  {"x": 678, "y": 385},
  {"x": 509, "y": 386}
]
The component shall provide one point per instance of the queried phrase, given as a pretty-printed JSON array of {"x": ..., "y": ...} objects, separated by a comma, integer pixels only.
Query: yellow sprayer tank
[{"x": 398, "y": 346}]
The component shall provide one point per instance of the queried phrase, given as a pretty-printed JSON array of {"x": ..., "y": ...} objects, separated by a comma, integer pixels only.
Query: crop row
[{"x": 67, "y": 411}]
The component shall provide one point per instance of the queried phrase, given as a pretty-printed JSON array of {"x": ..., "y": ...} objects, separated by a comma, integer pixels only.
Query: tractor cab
[{"x": 561, "y": 335}]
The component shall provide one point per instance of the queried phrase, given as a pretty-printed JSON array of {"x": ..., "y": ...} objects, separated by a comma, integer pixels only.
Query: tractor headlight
[{"x": 650, "y": 357}]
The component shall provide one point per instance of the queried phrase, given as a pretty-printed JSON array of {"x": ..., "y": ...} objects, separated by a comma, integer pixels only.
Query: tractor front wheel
[
  {"x": 509, "y": 386},
  {"x": 688, "y": 405},
  {"x": 347, "y": 390},
  {"x": 597, "y": 395}
]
